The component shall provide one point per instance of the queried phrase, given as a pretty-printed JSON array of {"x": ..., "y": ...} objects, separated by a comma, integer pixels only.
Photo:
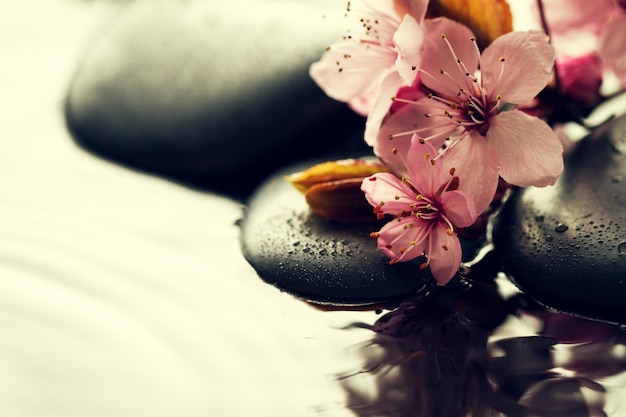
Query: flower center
[
  {"x": 472, "y": 106},
  {"x": 428, "y": 208},
  {"x": 459, "y": 102}
]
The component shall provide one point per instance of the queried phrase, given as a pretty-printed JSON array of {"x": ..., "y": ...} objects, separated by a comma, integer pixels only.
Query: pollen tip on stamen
[
  {"x": 452, "y": 171},
  {"x": 423, "y": 265},
  {"x": 372, "y": 178},
  {"x": 449, "y": 232},
  {"x": 432, "y": 162},
  {"x": 392, "y": 98},
  {"x": 444, "y": 247},
  {"x": 473, "y": 39},
  {"x": 413, "y": 67},
  {"x": 501, "y": 59},
  {"x": 374, "y": 235},
  {"x": 394, "y": 151},
  {"x": 419, "y": 197},
  {"x": 421, "y": 140},
  {"x": 426, "y": 156},
  {"x": 380, "y": 216},
  {"x": 443, "y": 36},
  {"x": 393, "y": 261},
  {"x": 396, "y": 197},
  {"x": 390, "y": 137}
]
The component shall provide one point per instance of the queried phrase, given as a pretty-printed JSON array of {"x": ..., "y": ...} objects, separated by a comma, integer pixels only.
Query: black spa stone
[
  {"x": 212, "y": 93},
  {"x": 322, "y": 261},
  {"x": 565, "y": 246},
  {"x": 316, "y": 259}
]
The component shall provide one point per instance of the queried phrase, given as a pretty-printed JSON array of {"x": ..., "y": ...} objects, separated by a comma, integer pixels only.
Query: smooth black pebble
[
  {"x": 565, "y": 246},
  {"x": 318, "y": 260},
  {"x": 214, "y": 94},
  {"x": 322, "y": 261}
]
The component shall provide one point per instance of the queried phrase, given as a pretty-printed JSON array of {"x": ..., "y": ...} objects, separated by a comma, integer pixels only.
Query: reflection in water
[{"x": 466, "y": 352}]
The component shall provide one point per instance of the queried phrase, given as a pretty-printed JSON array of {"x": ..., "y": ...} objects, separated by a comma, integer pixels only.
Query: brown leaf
[
  {"x": 334, "y": 170},
  {"x": 341, "y": 201},
  {"x": 488, "y": 19}
]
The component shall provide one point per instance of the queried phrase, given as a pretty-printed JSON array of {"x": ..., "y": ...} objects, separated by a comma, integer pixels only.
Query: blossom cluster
[{"x": 454, "y": 110}]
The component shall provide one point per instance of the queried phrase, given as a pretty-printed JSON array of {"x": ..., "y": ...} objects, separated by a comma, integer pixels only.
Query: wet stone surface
[
  {"x": 316, "y": 259},
  {"x": 565, "y": 246},
  {"x": 207, "y": 92}
]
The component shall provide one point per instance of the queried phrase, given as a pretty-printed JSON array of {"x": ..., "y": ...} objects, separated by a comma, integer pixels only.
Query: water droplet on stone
[{"x": 560, "y": 228}]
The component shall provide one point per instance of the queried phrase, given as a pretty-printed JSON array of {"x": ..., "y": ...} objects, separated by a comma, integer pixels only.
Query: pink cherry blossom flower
[
  {"x": 427, "y": 207},
  {"x": 353, "y": 69},
  {"x": 581, "y": 76},
  {"x": 472, "y": 108},
  {"x": 588, "y": 38}
]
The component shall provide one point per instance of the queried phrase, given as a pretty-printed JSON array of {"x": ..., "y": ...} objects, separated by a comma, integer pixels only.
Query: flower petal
[
  {"x": 529, "y": 152},
  {"x": 388, "y": 192},
  {"x": 444, "y": 254},
  {"x": 409, "y": 39},
  {"x": 387, "y": 89},
  {"x": 394, "y": 137},
  {"x": 459, "y": 207},
  {"x": 424, "y": 173},
  {"x": 475, "y": 162},
  {"x": 403, "y": 240},
  {"x": 517, "y": 66},
  {"x": 441, "y": 70},
  {"x": 349, "y": 69},
  {"x": 355, "y": 65}
]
